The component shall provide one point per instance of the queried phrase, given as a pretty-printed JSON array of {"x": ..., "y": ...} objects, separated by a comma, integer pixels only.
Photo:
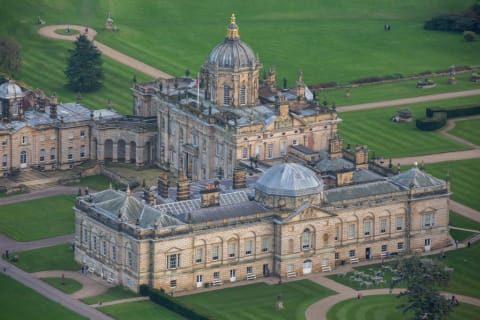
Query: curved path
[{"x": 49, "y": 31}]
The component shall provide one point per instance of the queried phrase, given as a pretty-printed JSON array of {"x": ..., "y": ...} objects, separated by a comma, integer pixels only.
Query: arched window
[
  {"x": 226, "y": 95},
  {"x": 307, "y": 241},
  {"x": 243, "y": 95},
  {"x": 23, "y": 157}
]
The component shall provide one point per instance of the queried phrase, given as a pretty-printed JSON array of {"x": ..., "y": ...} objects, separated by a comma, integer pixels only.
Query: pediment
[{"x": 308, "y": 213}]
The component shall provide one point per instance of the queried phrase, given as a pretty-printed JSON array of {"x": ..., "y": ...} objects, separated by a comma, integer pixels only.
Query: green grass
[
  {"x": 69, "y": 285},
  {"x": 396, "y": 90},
  {"x": 21, "y": 220},
  {"x": 457, "y": 220},
  {"x": 141, "y": 310},
  {"x": 329, "y": 40},
  {"x": 58, "y": 257},
  {"x": 97, "y": 182},
  {"x": 464, "y": 177},
  {"x": 369, "y": 308},
  {"x": 468, "y": 130},
  {"x": 258, "y": 301},
  {"x": 390, "y": 139},
  {"x": 115, "y": 293},
  {"x": 20, "y": 302}
]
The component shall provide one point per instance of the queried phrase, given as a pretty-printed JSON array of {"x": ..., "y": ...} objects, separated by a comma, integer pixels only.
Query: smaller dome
[
  {"x": 289, "y": 179},
  {"x": 9, "y": 90}
]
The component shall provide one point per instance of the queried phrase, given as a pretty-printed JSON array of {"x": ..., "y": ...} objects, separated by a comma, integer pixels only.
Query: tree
[
  {"x": 84, "y": 69},
  {"x": 469, "y": 36},
  {"x": 423, "y": 278},
  {"x": 10, "y": 56}
]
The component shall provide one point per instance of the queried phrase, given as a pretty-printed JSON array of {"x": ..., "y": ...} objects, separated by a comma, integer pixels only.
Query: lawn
[
  {"x": 115, "y": 293},
  {"x": 457, "y": 220},
  {"x": 20, "y": 302},
  {"x": 464, "y": 177},
  {"x": 142, "y": 310},
  {"x": 313, "y": 36},
  {"x": 67, "y": 285},
  {"x": 258, "y": 301},
  {"x": 58, "y": 257},
  {"x": 395, "y": 90},
  {"x": 468, "y": 130},
  {"x": 21, "y": 220},
  {"x": 381, "y": 307},
  {"x": 97, "y": 182},
  {"x": 391, "y": 139}
]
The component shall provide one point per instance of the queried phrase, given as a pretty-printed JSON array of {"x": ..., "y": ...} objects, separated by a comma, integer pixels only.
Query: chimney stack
[
  {"x": 361, "y": 157},
  {"x": 239, "y": 179},
  {"x": 183, "y": 189},
  {"x": 53, "y": 106},
  {"x": 210, "y": 196},
  {"x": 162, "y": 185}
]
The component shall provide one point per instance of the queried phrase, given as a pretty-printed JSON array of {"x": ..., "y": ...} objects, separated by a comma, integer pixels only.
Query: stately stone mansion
[{"x": 289, "y": 198}]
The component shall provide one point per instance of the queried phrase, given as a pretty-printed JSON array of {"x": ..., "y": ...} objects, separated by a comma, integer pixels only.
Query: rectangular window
[
  {"x": 198, "y": 255},
  {"x": 85, "y": 235},
  {"x": 427, "y": 242},
  {"x": 258, "y": 151},
  {"x": 95, "y": 243},
  {"x": 82, "y": 151},
  {"x": 24, "y": 140},
  {"x": 42, "y": 155},
  {"x": 70, "y": 153},
  {"x": 104, "y": 248},
  {"x": 173, "y": 261},
  {"x": 399, "y": 223},
  {"x": 290, "y": 267},
  {"x": 337, "y": 233},
  {"x": 42, "y": 137},
  {"x": 4, "y": 160},
  {"x": 306, "y": 239},
  {"x": 249, "y": 269},
  {"x": 244, "y": 153},
  {"x": 337, "y": 255},
  {"x": 82, "y": 133},
  {"x": 130, "y": 259},
  {"x": 172, "y": 156},
  {"x": 351, "y": 253},
  {"x": 215, "y": 251},
  {"x": 295, "y": 142},
  {"x": 428, "y": 220},
  {"x": 270, "y": 151},
  {"x": 216, "y": 275},
  {"x": 4, "y": 142},
  {"x": 52, "y": 154},
  {"x": 248, "y": 247},
  {"x": 70, "y": 135},
  {"x": 226, "y": 95},
  {"x": 383, "y": 225},
  {"x": 283, "y": 149},
  {"x": 233, "y": 273},
  {"x": 231, "y": 249},
  {"x": 53, "y": 136},
  {"x": 114, "y": 253},
  {"x": 400, "y": 246},
  {"x": 265, "y": 245},
  {"x": 368, "y": 228},
  {"x": 384, "y": 248},
  {"x": 173, "y": 283},
  {"x": 351, "y": 231}
]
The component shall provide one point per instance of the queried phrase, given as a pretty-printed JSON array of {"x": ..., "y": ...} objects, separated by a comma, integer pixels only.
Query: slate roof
[
  {"x": 416, "y": 178},
  {"x": 360, "y": 191}
]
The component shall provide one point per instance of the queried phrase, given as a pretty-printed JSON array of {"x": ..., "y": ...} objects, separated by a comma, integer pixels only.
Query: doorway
[{"x": 368, "y": 253}]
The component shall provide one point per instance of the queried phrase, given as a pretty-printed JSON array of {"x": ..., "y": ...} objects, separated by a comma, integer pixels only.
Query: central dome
[
  {"x": 289, "y": 179},
  {"x": 10, "y": 90},
  {"x": 232, "y": 53}
]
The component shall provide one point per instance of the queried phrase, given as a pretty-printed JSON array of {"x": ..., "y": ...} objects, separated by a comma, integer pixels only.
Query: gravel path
[{"x": 49, "y": 32}]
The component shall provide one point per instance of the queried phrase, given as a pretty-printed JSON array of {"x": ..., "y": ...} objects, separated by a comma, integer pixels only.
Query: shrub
[
  {"x": 159, "y": 297},
  {"x": 452, "y": 23},
  {"x": 144, "y": 290},
  {"x": 438, "y": 120},
  {"x": 469, "y": 36}
]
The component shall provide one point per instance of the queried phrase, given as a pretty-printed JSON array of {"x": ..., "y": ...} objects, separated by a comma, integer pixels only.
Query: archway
[
  {"x": 108, "y": 150},
  {"x": 121, "y": 150}
]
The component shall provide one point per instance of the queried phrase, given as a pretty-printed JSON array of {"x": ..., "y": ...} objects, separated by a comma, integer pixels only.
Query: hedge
[
  {"x": 455, "y": 112},
  {"x": 159, "y": 297},
  {"x": 438, "y": 120}
]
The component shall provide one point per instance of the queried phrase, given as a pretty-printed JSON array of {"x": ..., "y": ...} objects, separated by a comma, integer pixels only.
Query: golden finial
[{"x": 232, "y": 31}]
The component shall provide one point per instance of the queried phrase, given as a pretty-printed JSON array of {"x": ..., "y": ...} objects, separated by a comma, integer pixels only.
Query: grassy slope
[
  {"x": 16, "y": 301},
  {"x": 457, "y": 220},
  {"x": 468, "y": 130},
  {"x": 68, "y": 286},
  {"x": 465, "y": 179},
  {"x": 368, "y": 308},
  {"x": 257, "y": 301},
  {"x": 115, "y": 293},
  {"x": 390, "y": 139},
  {"x": 58, "y": 257},
  {"x": 21, "y": 220}
]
